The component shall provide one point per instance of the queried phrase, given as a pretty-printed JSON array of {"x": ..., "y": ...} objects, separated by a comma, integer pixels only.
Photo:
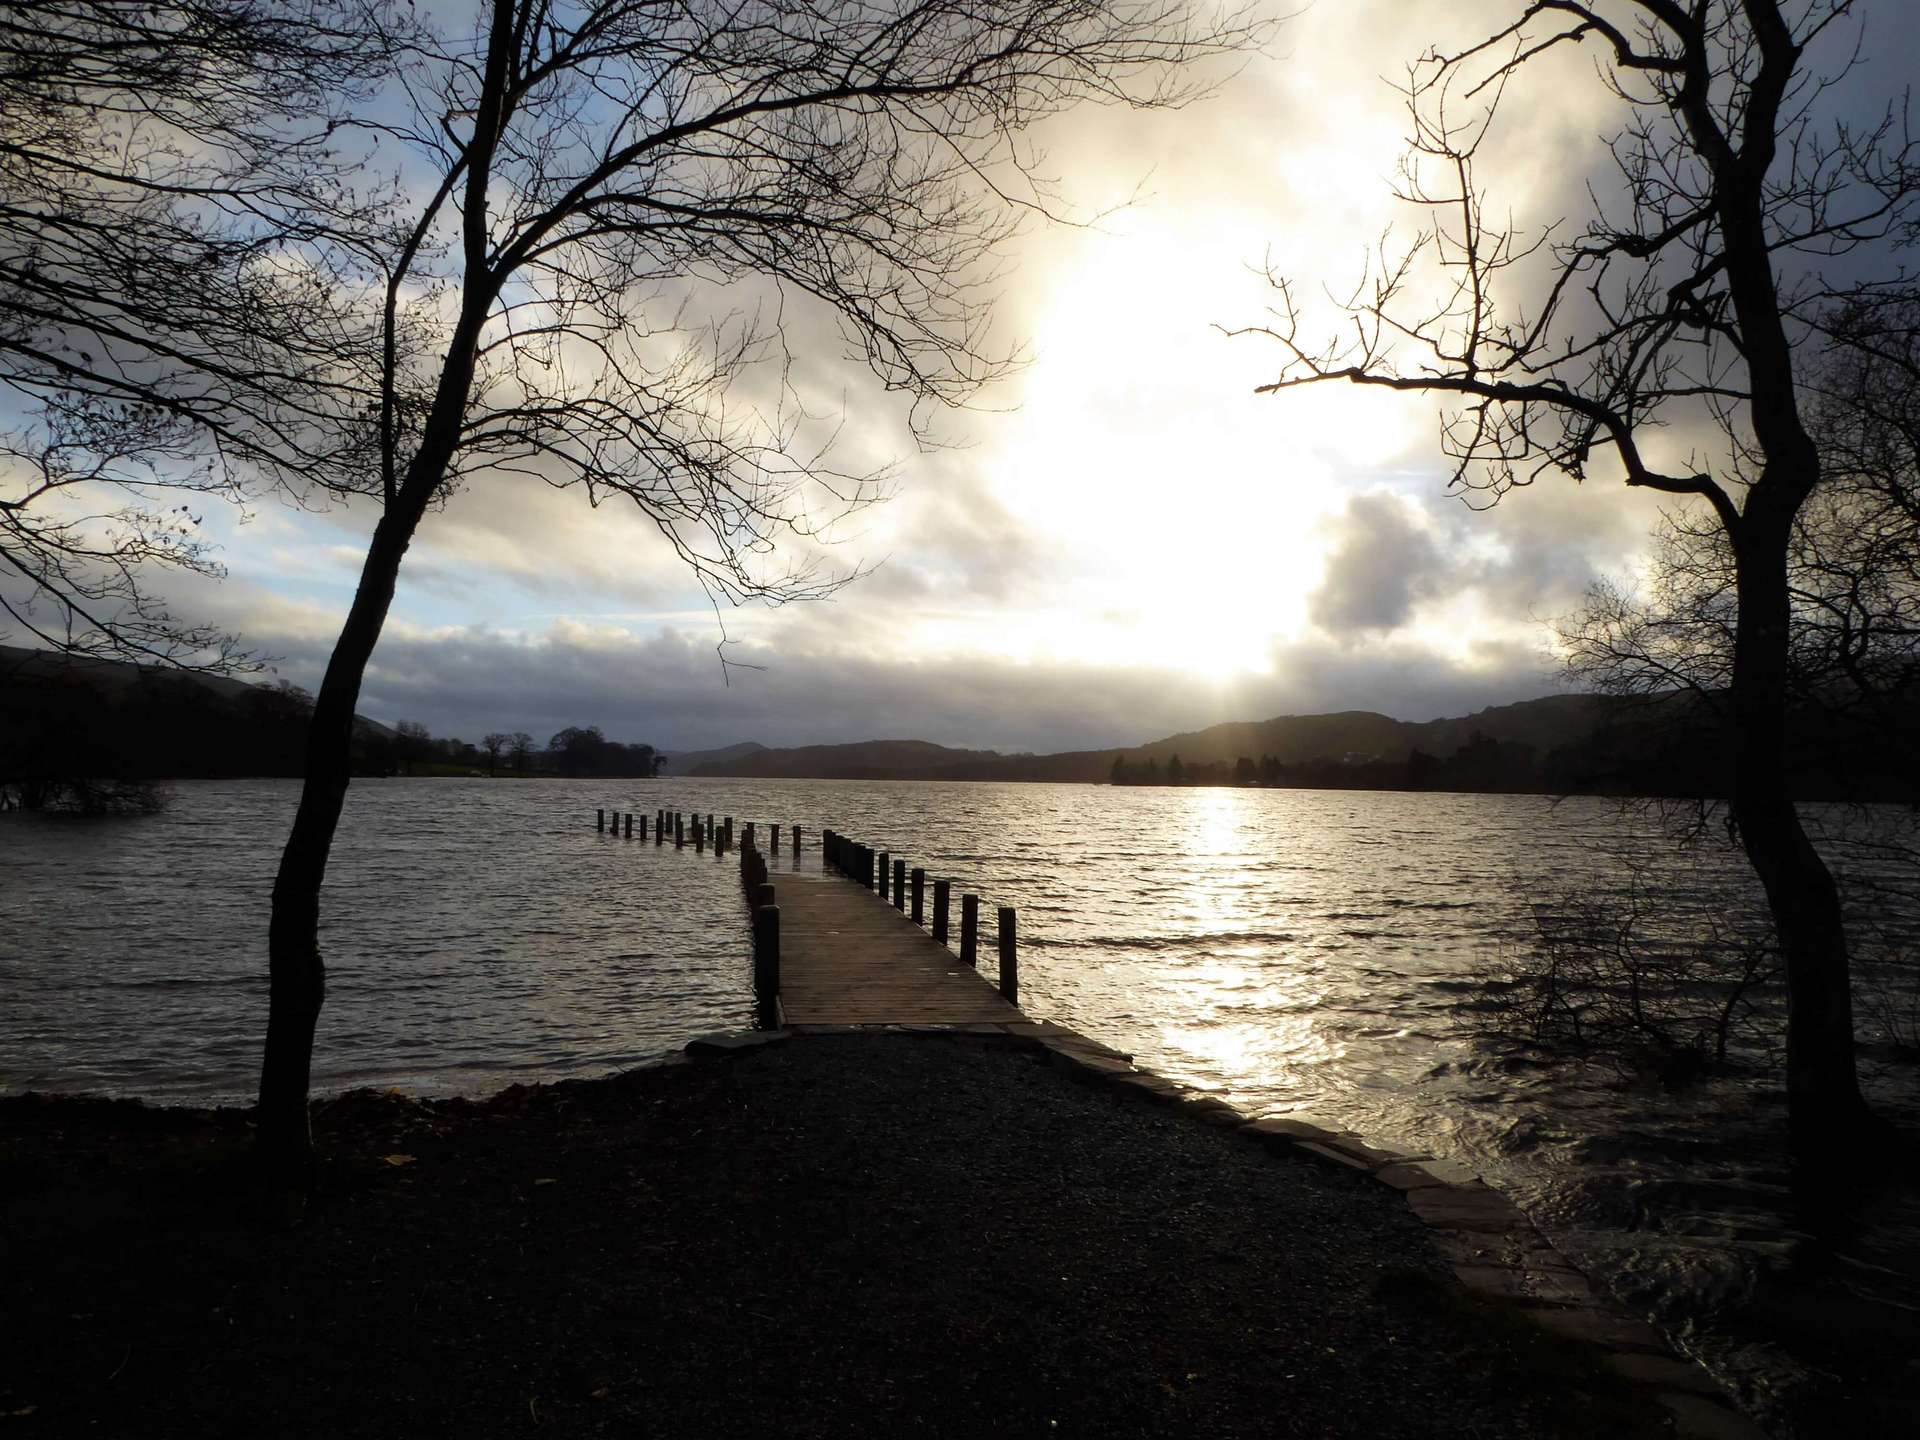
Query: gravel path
[{"x": 841, "y": 1235}]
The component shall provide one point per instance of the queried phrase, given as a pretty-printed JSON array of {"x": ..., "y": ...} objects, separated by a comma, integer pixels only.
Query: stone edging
[{"x": 1488, "y": 1243}]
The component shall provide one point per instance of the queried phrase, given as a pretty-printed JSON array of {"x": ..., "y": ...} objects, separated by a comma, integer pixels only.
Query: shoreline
[{"x": 1476, "y": 1264}]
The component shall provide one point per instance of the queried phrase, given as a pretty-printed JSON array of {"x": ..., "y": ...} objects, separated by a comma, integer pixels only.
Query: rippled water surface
[{"x": 1293, "y": 950}]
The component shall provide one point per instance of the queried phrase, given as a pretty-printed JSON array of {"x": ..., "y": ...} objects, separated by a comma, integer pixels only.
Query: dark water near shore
[{"x": 1293, "y": 950}]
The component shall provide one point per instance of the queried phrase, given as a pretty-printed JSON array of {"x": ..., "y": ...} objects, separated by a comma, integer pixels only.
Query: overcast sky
[{"x": 1121, "y": 542}]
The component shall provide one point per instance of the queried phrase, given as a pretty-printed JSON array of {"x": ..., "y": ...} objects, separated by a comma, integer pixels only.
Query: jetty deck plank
[{"x": 847, "y": 957}]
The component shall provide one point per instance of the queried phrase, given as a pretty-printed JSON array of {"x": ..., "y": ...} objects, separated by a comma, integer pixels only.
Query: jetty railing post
[
  {"x": 919, "y": 878},
  {"x": 660, "y": 827},
  {"x": 766, "y": 963},
  {"x": 886, "y": 865},
  {"x": 600, "y": 819},
  {"x": 773, "y": 841},
  {"x": 796, "y": 842},
  {"x": 643, "y": 829},
  {"x": 969, "y": 929},
  {"x": 1009, "y": 957},
  {"x": 940, "y": 891},
  {"x": 899, "y": 884},
  {"x": 629, "y": 834}
]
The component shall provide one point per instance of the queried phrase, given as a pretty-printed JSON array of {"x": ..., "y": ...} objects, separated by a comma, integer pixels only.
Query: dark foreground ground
[{"x": 871, "y": 1235}]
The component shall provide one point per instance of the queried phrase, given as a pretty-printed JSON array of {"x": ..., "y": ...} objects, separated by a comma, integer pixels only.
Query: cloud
[{"x": 1383, "y": 562}]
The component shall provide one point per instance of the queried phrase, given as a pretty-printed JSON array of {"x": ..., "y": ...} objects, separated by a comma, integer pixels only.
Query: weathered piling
[
  {"x": 680, "y": 832},
  {"x": 629, "y": 834},
  {"x": 600, "y": 819},
  {"x": 1009, "y": 957},
  {"x": 919, "y": 878},
  {"x": 660, "y": 827},
  {"x": 773, "y": 841},
  {"x": 899, "y": 884},
  {"x": 969, "y": 929},
  {"x": 746, "y": 837},
  {"x": 766, "y": 963},
  {"x": 940, "y": 890},
  {"x": 796, "y": 841},
  {"x": 885, "y": 868}
]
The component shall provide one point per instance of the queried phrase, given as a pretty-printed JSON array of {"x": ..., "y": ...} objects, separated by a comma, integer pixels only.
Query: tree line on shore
[{"x": 67, "y": 744}]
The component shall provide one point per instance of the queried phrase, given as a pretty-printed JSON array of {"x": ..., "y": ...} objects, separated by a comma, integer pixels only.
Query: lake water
[{"x": 1316, "y": 951}]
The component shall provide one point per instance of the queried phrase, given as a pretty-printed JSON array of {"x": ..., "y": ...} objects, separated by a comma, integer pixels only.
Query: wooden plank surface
[{"x": 847, "y": 957}]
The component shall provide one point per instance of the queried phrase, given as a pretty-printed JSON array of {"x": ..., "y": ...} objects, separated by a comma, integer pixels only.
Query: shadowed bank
[{"x": 841, "y": 1235}]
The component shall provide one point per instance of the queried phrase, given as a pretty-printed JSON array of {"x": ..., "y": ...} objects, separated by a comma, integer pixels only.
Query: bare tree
[
  {"x": 494, "y": 744},
  {"x": 621, "y": 199},
  {"x": 1735, "y": 230},
  {"x": 1853, "y": 567},
  {"x": 170, "y": 332},
  {"x": 520, "y": 751}
]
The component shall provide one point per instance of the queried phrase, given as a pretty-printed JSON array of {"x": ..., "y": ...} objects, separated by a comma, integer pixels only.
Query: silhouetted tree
[
  {"x": 169, "y": 334},
  {"x": 578, "y": 751},
  {"x": 1853, "y": 574},
  {"x": 1695, "y": 292},
  {"x": 413, "y": 744},
  {"x": 520, "y": 751},
  {"x": 590, "y": 174},
  {"x": 1176, "y": 772},
  {"x": 495, "y": 744}
]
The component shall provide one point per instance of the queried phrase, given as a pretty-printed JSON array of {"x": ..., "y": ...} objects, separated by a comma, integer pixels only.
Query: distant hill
[
  {"x": 1559, "y": 744},
  {"x": 63, "y": 717},
  {"x": 688, "y": 762},
  {"x": 863, "y": 760},
  {"x": 1356, "y": 735},
  {"x": 122, "y": 680},
  {"x": 1352, "y": 737}
]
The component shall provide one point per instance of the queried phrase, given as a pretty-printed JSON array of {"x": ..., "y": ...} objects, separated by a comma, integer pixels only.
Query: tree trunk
[
  {"x": 1824, "y": 1104},
  {"x": 297, "y": 974}
]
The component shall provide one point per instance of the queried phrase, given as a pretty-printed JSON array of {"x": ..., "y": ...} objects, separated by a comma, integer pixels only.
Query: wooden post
[
  {"x": 969, "y": 929},
  {"x": 773, "y": 846},
  {"x": 886, "y": 865},
  {"x": 796, "y": 842},
  {"x": 679, "y": 832},
  {"x": 762, "y": 895},
  {"x": 919, "y": 878},
  {"x": 1009, "y": 958},
  {"x": 899, "y": 884},
  {"x": 940, "y": 889},
  {"x": 600, "y": 819},
  {"x": 766, "y": 964},
  {"x": 660, "y": 827},
  {"x": 699, "y": 838},
  {"x": 629, "y": 834},
  {"x": 748, "y": 837}
]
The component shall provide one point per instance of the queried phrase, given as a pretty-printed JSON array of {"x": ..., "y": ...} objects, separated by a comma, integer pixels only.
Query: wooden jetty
[
  {"x": 840, "y": 946},
  {"x": 848, "y": 957}
]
